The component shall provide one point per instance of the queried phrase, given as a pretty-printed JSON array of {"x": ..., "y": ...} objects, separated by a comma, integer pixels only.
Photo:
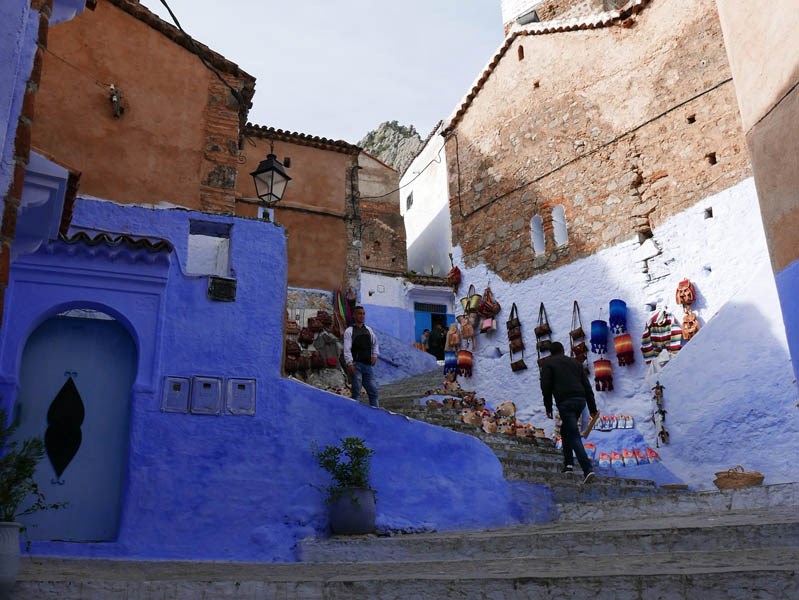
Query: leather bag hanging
[
  {"x": 488, "y": 324},
  {"x": 325, "y": 318},
  {"x": 314, "y": 324},
  {"x": 518, "y": 364},
  {"x": 686, "y": 293},
  {"x": 543, "y": 323},
  {"x": 488, "y": 307},
  {"x": 514, "y": 325},
  {"x": 290, "y": 365},
  {"x": 292, "y": 348},
  {"x": 690, "y": 325},
  {"x": 291, "y": 327},
  {"x": 317, "y": 362},
  {"x": 576, "y": 332},
  {"x": 306, "y": 337}
]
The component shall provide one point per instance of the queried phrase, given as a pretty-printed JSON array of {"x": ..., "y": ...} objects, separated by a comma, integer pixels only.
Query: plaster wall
[
  {"x": 763, "y": 52},
  {"x": 19, "y": 26},
  {"x": 313, "y": 210},
  {"x": 764, "y": 56},
  {"x": 741, "y": 348},
  {"x": 427, "y": 221},
  {"x": 622, "y": 143},
  {"x": 227, "y": 487},
  {"x": 161, "y": 149}
]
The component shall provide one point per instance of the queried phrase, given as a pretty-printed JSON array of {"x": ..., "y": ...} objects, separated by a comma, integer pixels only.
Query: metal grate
[{"x": 431, "y": 308}]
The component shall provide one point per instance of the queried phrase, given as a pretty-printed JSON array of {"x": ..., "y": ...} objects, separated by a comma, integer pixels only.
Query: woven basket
[{"x": 736, "y": 478}]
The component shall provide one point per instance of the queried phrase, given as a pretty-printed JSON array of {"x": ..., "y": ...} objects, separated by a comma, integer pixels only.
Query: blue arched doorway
[{"x": 76, "y": 375}]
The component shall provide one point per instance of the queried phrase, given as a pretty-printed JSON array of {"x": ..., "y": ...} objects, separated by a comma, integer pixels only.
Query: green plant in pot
[
  {"x": 19, "y": 495},
  {"x": 350, "y": 497}
]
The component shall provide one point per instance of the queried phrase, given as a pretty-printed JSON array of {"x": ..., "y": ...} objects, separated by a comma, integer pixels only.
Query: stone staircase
[
  {"x": 532, "y": 460},
  {"x": 709, "y": 545},
  {"x": 608, "y": 543}
]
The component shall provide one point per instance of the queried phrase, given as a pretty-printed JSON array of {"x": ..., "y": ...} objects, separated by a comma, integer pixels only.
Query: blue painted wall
[
  {"x": 19, "y": 27},
  {"x": 239, "y": 487},
  {"x": 391, "y": 319},
  {"x": 788, "y": 288}
]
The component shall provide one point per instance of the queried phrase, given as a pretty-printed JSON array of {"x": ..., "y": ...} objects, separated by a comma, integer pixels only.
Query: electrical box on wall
[
  {"x": 175, "y": 397},
  {"x": 206, "y": 395},
  {"x": 240, "y": 396}
]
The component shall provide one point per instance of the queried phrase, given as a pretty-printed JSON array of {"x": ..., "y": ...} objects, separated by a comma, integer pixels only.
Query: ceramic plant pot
[
  {"x": 9, "y": 556},
  {"x": 353, "y": 512}
]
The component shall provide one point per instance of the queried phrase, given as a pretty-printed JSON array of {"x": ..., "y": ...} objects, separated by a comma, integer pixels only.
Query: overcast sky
[{"x": 339, "y": 68}]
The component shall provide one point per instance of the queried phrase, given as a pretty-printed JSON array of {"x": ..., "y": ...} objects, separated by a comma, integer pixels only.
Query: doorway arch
[{"x": 76, "y": 373}]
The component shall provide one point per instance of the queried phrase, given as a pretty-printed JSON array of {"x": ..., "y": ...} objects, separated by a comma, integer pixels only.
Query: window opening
[
  {"x": 209, "y": 248},
  {"x": 559, "y": 225},
  {"x": 521, "y": 52},
  {"x": 409, "y": 201},
  {"x": 537, "y": 234}
]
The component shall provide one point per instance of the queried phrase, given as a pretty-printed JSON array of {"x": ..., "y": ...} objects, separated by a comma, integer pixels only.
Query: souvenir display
[
  {"x": 450, "y": 362},
  {"x": 471, "y": 301},
  {"x": 663, "y": 332},
  {"x": 577, "y": 335},
  {"x": 454, "y": 276},
  {"x": 488, "y": 307},
  {"x": 453, "y": 339},
  {"x": 685, "y": 294},
  {"x": 515, "y": 333},
  {"x": 603, "y": 375},
  {"x": 690, "y": 325},
  {"x": 464, "y": 363},
  {"x": 599, "y": 336},
  {"x": 622, "y": 341},
  {"x": 518, "y": 364},
  {"x": 659, "y": 414},
  {"x": 543, "y": 335}
]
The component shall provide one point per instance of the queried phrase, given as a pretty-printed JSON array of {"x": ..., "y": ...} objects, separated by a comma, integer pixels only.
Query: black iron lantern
[{"x": 270, "y": 180}]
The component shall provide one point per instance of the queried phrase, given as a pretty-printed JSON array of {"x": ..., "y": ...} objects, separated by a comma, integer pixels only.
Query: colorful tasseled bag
[
  {"x": 603, "y": 375},
  {"x": 599, "y": 337},
  {"x": 464, "y": 362},
  {"x": 618, "y": 316},
  {"x": 450, "y": 362},
  {"x": 625, "y": 352}
]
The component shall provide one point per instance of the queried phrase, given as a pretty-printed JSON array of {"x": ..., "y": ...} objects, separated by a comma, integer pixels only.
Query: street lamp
[{"x": 270, "y": 179}]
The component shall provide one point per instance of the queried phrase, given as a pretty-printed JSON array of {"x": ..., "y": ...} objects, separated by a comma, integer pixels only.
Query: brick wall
[
  {"x": 382, "y": 238},
  {"x": 622, "y": 126}
]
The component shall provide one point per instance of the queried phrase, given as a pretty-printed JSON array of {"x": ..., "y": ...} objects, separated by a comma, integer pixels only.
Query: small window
[
  {"x": 409, "y": 201},
  {"x": 209, "y": 248},
  {"x": 266, "y": 214},
  {"x": 521, "y": 52},
  {"x": 559, "y": 225},
  {"x": 537, "y": 234}
]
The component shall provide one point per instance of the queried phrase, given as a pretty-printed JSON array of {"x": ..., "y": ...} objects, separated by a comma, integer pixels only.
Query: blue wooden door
[{"x": 75, "y": 384}]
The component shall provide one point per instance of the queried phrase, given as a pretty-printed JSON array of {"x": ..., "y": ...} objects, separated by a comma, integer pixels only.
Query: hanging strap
[
  {"x": 513, "y": 313},
  {"x": 576, "y": 319},
  {"x": 542, "y": 315}
]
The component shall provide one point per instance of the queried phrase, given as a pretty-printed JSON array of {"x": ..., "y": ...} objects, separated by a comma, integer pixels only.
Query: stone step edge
[
  {"x": 697, "y": 502},
  {"x": 769, "y": 560}
]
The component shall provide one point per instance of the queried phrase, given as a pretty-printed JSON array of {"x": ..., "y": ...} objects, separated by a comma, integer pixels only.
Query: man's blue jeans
[
  {"x": 363, "y": 375},
  {"x": 570, "y": 410}
]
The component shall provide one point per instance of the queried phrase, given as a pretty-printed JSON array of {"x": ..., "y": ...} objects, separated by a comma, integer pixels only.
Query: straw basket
[{"x": 736, "y": 478}]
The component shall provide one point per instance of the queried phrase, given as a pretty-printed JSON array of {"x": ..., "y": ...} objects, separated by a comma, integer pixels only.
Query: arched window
[
  {"x": 559, "y": 225},
  {"x": 537, "y": 234}
]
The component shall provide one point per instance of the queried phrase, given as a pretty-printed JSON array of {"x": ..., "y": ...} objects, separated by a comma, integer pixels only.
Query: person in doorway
[
  {"x": 361, "y": 350},
  {"x": 437, "y": 339},
  {"x": 425, "y": 341},
  {"x": 564, "y": 378}
]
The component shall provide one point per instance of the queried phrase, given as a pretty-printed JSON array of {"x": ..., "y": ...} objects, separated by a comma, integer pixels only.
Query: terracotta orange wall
[
  {"x": 154, "y": 152},
  {"x": 317, "y": 243}
]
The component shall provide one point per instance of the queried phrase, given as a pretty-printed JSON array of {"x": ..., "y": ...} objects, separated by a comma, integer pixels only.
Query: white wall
[
  {"x": 725, "y": 256},
  {"x": 427, "y": 222}
]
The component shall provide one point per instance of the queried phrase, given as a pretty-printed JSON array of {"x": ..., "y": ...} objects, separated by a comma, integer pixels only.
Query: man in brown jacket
[{"x": 563, "y": 377}]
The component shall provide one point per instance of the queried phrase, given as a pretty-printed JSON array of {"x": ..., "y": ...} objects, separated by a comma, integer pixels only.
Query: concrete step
[
  {"x": 761, "y": 573},
  {"x": 686, "y": 503},
  {"x": 742, "y": 530}
]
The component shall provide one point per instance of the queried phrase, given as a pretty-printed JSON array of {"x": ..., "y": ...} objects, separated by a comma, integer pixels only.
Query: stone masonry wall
[
  {"x": 622, "y": 126},
  {"x": 383, "y": 238}
]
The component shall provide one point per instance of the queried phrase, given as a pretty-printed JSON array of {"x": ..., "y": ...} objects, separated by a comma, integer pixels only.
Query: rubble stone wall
[{"x": 620, "y": 143}]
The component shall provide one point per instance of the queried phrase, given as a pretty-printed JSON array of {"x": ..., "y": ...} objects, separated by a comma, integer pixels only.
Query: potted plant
[
  {"x": 18, "y": 488},
  {"x": 350, "y": 497}
]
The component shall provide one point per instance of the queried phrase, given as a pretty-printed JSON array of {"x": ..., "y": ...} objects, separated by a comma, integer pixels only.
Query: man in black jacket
[{"x": 563, "y": 377}]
